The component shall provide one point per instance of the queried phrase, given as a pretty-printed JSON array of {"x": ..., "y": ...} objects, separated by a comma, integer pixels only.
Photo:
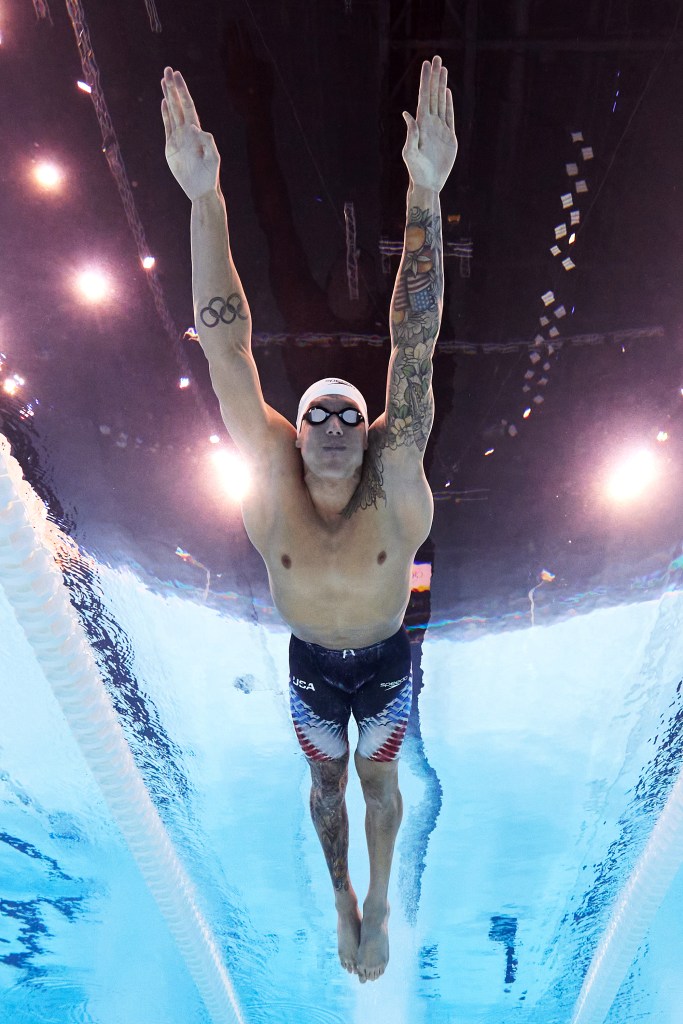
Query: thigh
[
  {"x": 382, "y": 706},
  {"x": 320, "y": 712}
]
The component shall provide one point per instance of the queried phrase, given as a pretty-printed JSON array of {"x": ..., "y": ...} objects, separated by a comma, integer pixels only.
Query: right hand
[
  {"x": 431, "y": 145},
  {"x": 190, "y": 153}
]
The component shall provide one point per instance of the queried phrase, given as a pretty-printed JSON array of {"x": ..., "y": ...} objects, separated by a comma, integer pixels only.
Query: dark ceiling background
[{"x": 304, "y": 99}]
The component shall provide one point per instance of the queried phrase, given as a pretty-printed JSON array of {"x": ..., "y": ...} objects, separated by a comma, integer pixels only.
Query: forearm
[
  {"x": 416, "y": 308},
  {"x": 222, "y": 316},
  {"x": 417, "y": 302}
]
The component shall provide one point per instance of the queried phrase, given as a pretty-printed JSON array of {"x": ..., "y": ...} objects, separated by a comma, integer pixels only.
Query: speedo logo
[
  {"x": 396, "y": 682},
  {"x": 302, "y": 684}
]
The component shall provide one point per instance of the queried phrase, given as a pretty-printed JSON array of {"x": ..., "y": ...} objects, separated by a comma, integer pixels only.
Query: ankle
[
  {"x": 345, "y": 897},
  {"x": 375, "y": 905}
]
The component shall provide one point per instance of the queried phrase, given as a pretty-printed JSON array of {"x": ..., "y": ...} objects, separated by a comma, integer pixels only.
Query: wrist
[
  {"x": 209, "y": 196},
  {"x": 422, "y": 195},
  {"x": 423, "y": 185}
]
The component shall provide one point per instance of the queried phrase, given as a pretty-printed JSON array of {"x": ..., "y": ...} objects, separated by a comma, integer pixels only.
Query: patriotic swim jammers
[{"x": 375, "y": 683}]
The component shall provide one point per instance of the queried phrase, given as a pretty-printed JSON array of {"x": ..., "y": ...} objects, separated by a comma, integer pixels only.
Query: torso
[{"x": 345, "y": 585}]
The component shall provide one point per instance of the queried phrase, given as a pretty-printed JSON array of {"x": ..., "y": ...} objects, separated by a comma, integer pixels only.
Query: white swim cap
[{"x": 331, "y": 386}]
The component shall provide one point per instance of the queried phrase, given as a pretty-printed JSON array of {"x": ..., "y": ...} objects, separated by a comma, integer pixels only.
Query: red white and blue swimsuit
[{"x": 375, "y": 683}]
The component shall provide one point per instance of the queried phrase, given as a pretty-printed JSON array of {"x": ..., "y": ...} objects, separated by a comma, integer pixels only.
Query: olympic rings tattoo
[{"x": 226, "y": 306}]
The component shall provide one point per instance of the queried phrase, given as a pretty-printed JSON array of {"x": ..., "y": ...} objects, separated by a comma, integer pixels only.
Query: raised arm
[
  {"x": 417, "y": 302},
  {"x": 222, "y": 316}
]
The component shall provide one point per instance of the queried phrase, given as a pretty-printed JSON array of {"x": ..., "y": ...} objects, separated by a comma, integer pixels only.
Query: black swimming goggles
[{"x": 318, "y": 414}]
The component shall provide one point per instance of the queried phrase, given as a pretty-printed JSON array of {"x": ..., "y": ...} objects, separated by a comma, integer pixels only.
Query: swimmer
[{"x": 341, "y": 505}]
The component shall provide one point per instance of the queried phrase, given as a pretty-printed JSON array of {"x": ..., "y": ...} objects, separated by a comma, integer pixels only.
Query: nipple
[{"x": 286, "y": 561}]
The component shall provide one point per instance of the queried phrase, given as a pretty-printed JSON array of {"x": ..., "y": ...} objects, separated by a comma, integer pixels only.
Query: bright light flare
[
  {"x": 632, "y": 476},
  {"x": 48, "y": 176},
  {"x": 148, "y": 262},
  {"x": 233, "y": 472},
  {"x": 93, "y": 286}
]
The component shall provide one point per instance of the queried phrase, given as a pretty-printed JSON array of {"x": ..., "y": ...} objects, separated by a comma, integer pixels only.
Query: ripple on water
[
  {"x": 50, "y": 999},
  {"x": 289, "y": 1012}
]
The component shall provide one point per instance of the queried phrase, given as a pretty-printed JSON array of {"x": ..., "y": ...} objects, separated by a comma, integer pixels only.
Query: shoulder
[{"x": 275, "y": 470}]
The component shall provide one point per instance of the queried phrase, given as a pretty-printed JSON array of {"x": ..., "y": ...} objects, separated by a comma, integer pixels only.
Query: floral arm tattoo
[
  {"x": 415, "y": 320},
  {"x": 370, "y": 487}
]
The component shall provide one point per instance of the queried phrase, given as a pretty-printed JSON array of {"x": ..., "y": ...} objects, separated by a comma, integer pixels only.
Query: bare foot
[
  {"x": 348, "y": 929},
  {"x": 373, "y": 952}
]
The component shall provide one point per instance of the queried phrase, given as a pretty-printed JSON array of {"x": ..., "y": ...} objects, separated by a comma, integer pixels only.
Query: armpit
[{"x": 370, "y": 487}]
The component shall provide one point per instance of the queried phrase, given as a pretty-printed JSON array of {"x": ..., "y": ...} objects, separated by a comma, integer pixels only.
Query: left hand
[{"x": 431, "y": 145}]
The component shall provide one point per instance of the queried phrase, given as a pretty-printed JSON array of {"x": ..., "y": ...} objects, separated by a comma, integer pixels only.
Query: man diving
[{"x": 340, "y": 506}]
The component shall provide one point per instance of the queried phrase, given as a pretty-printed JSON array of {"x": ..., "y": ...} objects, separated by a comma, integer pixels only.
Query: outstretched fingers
[
  {"x": 423, "y": 95},
  {"x": 434, "y": 96},
  {"x": 166, "y": 117},
  {"x": 190, "y": 114},
  {"x": 443, "y": 81},
  {"x": 450, "y": 115},
  {"x": 180, "y": 108},
  {"x": 169, "y": 106},
  {"x": 434, "y": 85}
]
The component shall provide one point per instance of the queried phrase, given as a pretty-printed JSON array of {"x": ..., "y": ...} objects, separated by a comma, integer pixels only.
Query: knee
[
  {"x": 379, "y": 782},
  {"x": 384, "y": 804},
  {"x": 328, "y": 780}
]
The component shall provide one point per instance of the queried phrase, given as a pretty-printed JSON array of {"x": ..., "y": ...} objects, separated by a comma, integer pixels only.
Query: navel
[
  {"x": 286, "y": 561},
  {"x": 382, "y": 557}
]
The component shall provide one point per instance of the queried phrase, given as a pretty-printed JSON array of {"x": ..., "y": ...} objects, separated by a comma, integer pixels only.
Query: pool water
[{"x": 535, "y": 765}]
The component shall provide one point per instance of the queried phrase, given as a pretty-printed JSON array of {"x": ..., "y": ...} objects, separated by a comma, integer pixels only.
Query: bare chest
[
  {"x": 363, "y": 549},
  {"x": 343, "y": 587}
]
